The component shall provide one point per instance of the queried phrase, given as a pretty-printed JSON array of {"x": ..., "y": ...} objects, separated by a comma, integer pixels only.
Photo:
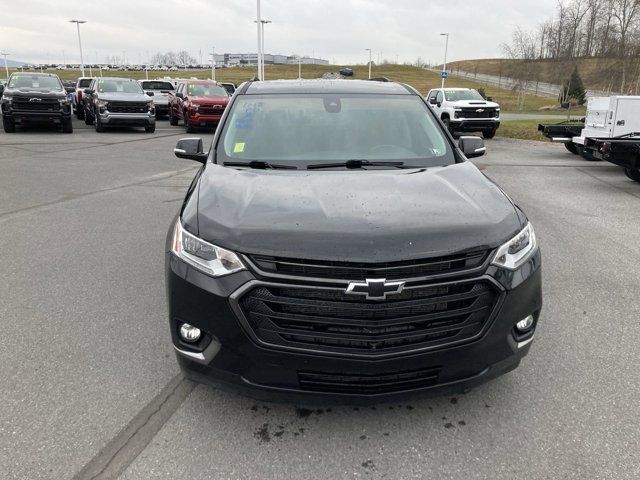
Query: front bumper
[
  {"x": 200, "y": 120},
  {"x": 474, "y": 125},
  {"x": 24, "y": 117},
  {"x": 128, "y": 119},
  {"x": 230, "y": 355}
]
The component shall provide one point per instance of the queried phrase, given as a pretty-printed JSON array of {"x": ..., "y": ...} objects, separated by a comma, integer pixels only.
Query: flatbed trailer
[{"x": 562, "y": 132}]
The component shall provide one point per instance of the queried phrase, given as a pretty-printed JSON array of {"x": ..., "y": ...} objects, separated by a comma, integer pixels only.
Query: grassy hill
[
  {"x": 419, "y": 78},
  {"x": 596, "y": 73}
]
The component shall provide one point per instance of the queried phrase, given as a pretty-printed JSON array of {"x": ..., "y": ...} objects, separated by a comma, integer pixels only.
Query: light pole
[
  {"x": 259, "y": 27},
  {"x": 444, "y": 65},
  {"x": 369, "y": 50},
  {"x": 78, "y": 22},
  {"x": 6, "y": 69},
  {"x": 299, "y": 67},
  {"x": 213, "y": 64},
  {"x": 262, "y": 24}
]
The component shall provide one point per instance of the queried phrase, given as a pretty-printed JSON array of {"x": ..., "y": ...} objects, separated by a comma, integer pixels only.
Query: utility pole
[
  {"x": 6, "y": 69},
  {"x": 299, "y": 67},
  {"x": 259, "y": 27},
  {"x": 78, "y": 22},
  {"x": 444, "y": 65},
  {"x": 213, "y": 64},
  {"x": 369, "y": 50}
]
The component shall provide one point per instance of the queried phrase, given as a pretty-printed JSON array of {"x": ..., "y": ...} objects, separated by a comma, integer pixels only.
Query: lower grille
[
  {"x": 363, "y": 384},
  {"x": 330, "y": 320},
  {"x": 128, "y": 107},
  {"x": 211, "y": 109}
]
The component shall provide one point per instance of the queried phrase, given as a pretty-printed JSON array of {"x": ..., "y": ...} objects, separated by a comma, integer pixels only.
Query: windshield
[
  {"x": 313, "y": 128},
  {"x": 206, "y": 90},
  {"x": 84, "y": 83},
  {"x": 120, "y": 86},
  {"x": 155, "y": 85},
  {"x": 455, "y": 95},
  {"x": 35, "y": 82}
]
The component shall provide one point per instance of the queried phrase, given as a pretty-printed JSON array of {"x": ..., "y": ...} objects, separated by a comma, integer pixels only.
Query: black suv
[
  {"x": 35, "y": 98},
  {"x": 338, "y": 243}
]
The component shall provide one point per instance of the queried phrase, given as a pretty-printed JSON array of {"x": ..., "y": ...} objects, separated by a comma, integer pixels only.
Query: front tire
[
  {"x": 150, "y": 128},
  {"x": 98, "y": 124},
  {"x": 489, "y": 133},
  {"x": 586, "y": 154},
  {"x": 173, "y": 120},
  {"x": 88, "y": 120},
  {"x": 9, "y": 125},
  {"x": 80, "y": 113},
  {"x": 447, "y": 124},
  {"x": 187, "y": 124},
  {"x": 571, "y": 147},
  {"x": 633, "y": 174},
  {"x": 67, "y": 126}
]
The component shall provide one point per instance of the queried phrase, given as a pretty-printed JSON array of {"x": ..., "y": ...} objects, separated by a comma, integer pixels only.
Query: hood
[
  {"x": 35, "y": 92},
  {"x": 475, "y": 104},
  {"x": 358, "y": 216},
  {"x": 124, "y": 97},
  {"x": 210, "y": 100}
]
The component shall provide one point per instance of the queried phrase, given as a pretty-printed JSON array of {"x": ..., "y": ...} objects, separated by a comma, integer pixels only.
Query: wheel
[
  {"x": 67, "y": 126},
  {"x": 586, "y": 154},
  {"x": 447, "y": 124},
  {"x": 9, "y": 125},
  {"x": 80, "y": 113},
  {"x": 571, "y": 147},
  {"x": 88, "y": 118},
  {"x": 150, "y": 128},
  {"x": 489, "y": 133},
  {"x": 98, "y": 124},
  {"x": 187, "y": 125},
  {"x": 632, "y": 174},
  {"x": 172, "y": 119}
]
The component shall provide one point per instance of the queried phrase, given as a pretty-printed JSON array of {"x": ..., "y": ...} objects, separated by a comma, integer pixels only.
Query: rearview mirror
[
  {"x": 433, "y": 101},
  {"x": 472, "y": 146},
  {"x": 150, "y": 93},
  {"x": 88, "y": 91},
  {"x": 489, "y": 99},
  {"x": 190, "y": 149},
  {"x": 1, "y": 89}
]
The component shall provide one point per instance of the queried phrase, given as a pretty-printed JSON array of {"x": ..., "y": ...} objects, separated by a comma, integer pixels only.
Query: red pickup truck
[{"x": 199, "y": 103}]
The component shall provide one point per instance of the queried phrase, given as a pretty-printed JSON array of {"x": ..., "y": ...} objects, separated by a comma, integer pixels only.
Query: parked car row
[{"x": 112, "y": 101}]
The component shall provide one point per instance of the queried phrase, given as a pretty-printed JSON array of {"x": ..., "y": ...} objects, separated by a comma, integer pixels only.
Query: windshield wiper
[
  {"x": 259, "y": 164},
  {"x": 355, "y": 163}
]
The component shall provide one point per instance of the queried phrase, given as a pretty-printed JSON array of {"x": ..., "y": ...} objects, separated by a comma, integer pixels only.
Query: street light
[
  {"x": 299, "y": 67},
  {"x": 78, "y": 22},
  {"x": 444, "y": 65},
  {"x": 6, "y": 69},
  {"x": 369, "y": 50},
  {"x": 213, "y": 64},
  {"x": 259, "y": 27},
  {"x": 262, "y": 22}
]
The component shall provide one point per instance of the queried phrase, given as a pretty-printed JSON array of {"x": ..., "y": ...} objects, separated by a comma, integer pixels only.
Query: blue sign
[{"x": 444, "y": 75}]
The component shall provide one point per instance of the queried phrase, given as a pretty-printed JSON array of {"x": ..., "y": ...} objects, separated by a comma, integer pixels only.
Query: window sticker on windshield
[
  {"x": 245, "y": 119},
  {"x": 239, "y": 147}
]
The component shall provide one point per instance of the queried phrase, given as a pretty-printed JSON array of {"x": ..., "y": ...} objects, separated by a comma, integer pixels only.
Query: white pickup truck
[{"x": 464, "y": 110}]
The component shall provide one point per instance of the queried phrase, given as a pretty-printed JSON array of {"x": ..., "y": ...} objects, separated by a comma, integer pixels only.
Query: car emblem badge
[
  {"x": 480, "y": 110},
  {"x": 375, "y": 288},
  {"x": 35, "y": 99}
]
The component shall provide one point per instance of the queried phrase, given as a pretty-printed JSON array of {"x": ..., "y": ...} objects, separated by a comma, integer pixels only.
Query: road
[{"x": 90, "y": 384}]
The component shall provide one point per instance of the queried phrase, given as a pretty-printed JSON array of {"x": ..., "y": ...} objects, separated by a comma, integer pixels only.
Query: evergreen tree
[{"x": 573, "y": 88}]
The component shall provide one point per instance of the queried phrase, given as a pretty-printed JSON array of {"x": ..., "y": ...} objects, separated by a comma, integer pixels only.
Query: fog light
[
  {"x": 189, "y": 333},
  {"x": 525, "y": 324}
]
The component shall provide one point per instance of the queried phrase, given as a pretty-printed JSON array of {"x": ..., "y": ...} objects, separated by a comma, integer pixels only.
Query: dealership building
[{"x": 233, "y": 59}]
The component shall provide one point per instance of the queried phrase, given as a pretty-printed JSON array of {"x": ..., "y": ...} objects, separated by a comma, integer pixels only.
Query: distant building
[{"x": 234, "y": 59}]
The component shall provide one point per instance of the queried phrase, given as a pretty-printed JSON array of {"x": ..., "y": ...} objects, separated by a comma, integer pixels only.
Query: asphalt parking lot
[{"x": 87, "y": 362}]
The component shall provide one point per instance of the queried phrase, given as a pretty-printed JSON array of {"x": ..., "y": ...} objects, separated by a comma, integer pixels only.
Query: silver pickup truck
[{"x": 160, "y": 90}]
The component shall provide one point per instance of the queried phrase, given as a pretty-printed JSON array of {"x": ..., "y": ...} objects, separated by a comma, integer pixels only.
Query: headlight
[
  {"x": 63, "y": 101},
  {"x": 204, "y": 256},
  {"x": 195, "y": 107},
  {"x": 7, "y": 98},
  {"x": 516, "y": 251},
  {"x": 150, "y": 104},
  {"x": 102, "y": 103}
]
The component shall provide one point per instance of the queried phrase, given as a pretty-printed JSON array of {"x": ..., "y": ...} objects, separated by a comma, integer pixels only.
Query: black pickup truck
[{"x": 35, "y": 98}]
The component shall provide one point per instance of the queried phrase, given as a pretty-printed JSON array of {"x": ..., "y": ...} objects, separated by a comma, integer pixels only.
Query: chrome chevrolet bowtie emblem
[
  {"x": 35, "y": 99},
  {"x": 375, "y": 288},
  {"x": 480, "y": 110}
]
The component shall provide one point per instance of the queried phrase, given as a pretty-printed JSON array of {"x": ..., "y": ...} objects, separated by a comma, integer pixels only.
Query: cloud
[{"x": 332, "y": 29}]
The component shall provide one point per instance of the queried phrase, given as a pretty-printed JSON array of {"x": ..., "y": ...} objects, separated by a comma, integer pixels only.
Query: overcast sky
[{"x": 37, "y": 31}]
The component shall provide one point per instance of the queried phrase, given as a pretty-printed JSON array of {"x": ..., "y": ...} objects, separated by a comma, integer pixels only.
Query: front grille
[
  {"x": 364, "y": 384},
  {"x": 474, "y": 113},
  {"x": 211, "y": 109},
  {"x": 128, "y": 107},
  {"x": 356, "y": 271},
  {"x": 42, "y": 105},
  {"x": 330, "y": 320}
]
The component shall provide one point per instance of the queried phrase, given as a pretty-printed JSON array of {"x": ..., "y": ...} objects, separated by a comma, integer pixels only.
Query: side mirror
[
  {"x": 438, "y": 104},
  {"x": 179, "y": 95},
  {"x": 489, "y": 99},
  {"x": 190, "y": 149},
  {"x": 472, "y": 146},
  {"x": 88, "y": 91},
  {"x": 1, "y": 89},
  {"x": 433, "y": 101},
  {"x": 151, "y": 94}
]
